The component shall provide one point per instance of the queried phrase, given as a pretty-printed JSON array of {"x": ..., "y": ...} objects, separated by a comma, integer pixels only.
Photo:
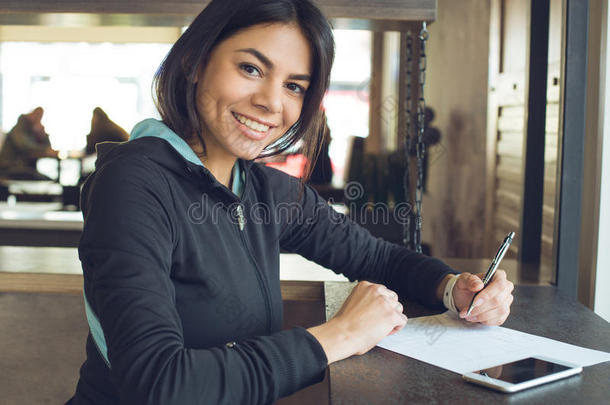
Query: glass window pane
[
  {"x": 70, "y": 79},
  {"x": 347, "y": 101}
]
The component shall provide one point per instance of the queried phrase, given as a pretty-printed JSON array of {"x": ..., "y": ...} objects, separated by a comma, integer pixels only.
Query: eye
[
  {"x": 250, "y": 70},
  {"x": 296, "y": 88}
]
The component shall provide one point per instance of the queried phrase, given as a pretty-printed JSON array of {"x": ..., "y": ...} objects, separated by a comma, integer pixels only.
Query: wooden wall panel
[
  {"x": 506, "y": 121},
  {"x": 456, "y": 88},
  {"x": 506, "y": 125},
  {"x": 509, "y": 157}
]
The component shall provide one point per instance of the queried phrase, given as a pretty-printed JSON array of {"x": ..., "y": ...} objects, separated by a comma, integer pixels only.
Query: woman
[{"x": 180, "y": 248}]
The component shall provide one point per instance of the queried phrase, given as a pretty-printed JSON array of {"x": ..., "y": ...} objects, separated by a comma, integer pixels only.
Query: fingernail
[{"x": 478, "y": 302}]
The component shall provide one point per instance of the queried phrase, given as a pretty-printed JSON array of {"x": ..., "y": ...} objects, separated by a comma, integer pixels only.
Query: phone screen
[{"x": 522, "y": 370}]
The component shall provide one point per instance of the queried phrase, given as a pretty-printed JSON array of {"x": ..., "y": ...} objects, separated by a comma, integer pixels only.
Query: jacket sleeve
[
  {"x": 126, "y": 252},
  {"x": 316, "y": 231}
]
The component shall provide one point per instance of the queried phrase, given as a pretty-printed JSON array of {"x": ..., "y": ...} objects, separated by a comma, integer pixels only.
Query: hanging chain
[
  {"x": 406, "y": 230},
  {"x": 421, "y": 109},
  {"x": 412, "y": 237}
]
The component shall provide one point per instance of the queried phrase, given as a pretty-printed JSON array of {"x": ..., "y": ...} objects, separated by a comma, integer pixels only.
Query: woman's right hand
[{"x": 370, "y": 313}]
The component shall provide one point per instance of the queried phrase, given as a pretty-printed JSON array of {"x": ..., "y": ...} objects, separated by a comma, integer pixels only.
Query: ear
[
  {"x": 195, "y": 79},
  {"x": 200, "y": 72}
]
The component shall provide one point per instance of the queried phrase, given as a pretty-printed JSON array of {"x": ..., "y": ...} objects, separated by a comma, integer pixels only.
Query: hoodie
[{"x": 181, "y": 276}]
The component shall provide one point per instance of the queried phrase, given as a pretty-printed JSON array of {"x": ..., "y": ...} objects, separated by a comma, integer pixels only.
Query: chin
[
  {"x": 246, "y": 155},
  {"x": 247, "y": 149}
]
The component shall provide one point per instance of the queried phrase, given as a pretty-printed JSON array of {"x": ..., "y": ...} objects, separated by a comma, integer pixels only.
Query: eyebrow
[{"x": 267, "y": 62}]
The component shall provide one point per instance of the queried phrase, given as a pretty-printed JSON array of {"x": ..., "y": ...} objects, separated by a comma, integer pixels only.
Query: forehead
[{"x": 283, "y": 44}]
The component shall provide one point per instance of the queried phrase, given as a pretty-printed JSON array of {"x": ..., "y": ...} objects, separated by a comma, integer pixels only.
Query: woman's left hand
[{"x": 492, "y": 305}]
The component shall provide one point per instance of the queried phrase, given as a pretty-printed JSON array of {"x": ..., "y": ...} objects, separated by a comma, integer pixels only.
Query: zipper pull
[{"x": 241, "y": 220}]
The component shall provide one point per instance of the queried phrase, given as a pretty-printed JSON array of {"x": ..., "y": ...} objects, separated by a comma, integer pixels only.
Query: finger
[
  {"x": 499, "y": 285},
  {"x": 383, "y": 290},
  {"x": 483, "y": 305},
  {"x": 490, "y": 316},
  {"x": 496, "y": 321},
  {"x": 399, "y": 320},
  {"x": 492, "y": 292},
  {"x": 393, "y": 306},
  {"x": 469, "y": 282},
  {"x": 402, "y": 321},
  {"x": 397, "y": 328},
  {"x": 498, "y": 301}
]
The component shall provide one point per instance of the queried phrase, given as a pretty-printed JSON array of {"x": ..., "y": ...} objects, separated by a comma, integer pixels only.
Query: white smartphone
[{"x": 522, "y": 374}]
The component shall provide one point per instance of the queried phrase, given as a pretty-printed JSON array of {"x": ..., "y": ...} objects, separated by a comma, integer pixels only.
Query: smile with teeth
[{"x": 256, "y": 126}]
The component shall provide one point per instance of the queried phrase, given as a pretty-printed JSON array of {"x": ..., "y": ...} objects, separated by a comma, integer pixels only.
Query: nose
[{"x": 269, "y": 97}]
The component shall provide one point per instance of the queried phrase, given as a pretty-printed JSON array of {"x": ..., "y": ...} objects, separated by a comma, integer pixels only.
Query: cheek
[
  {"x": 216, "y": 92},
  {"x": 293, "y": 112},
  {"x": 206, "y": 102}
]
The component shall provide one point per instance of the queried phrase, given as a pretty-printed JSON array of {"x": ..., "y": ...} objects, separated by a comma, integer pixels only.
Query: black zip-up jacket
[{"x": 177, "y": 267}]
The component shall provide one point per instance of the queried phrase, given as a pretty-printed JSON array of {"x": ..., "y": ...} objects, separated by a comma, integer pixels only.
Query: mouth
[{"x": 252, "y": 124}]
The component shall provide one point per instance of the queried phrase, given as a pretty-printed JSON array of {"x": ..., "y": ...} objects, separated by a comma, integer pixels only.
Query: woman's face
[{"x": 252, "y": 89}]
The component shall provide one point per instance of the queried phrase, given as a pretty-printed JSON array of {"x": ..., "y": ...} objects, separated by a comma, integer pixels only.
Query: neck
[
  {"x": 222, "y": 170},
  {"x": 218, "y": 163}
]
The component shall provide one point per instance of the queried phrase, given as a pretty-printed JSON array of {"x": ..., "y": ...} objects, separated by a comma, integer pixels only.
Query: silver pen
[{"x": 493, "y": 266}]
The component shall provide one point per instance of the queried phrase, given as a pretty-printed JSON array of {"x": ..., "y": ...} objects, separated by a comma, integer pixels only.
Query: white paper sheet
[{"x": 448, "y": 342}]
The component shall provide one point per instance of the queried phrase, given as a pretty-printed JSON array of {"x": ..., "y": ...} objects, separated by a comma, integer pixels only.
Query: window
[
  {"x": 347, "y": 101},
  {"x": 70, "y": 79}
]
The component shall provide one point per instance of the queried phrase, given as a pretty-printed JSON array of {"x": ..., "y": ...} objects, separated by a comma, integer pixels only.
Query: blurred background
[
  {"x": 81, "y": 77},
  {"x": 515, "y": 94}
]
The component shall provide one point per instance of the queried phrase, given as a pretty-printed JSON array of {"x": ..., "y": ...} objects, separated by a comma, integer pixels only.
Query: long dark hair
[{"x": 175, "y": 85}]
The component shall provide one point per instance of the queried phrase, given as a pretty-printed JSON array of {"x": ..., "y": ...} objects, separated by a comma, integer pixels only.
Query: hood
[
  {"x": 176, "y": 155},
  {"x": 157, "y": 129}
]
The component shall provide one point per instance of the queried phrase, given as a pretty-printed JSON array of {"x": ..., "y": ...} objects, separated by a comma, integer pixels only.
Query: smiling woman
[
  {"x": 290, "y": 47},
  {"x": 183, "y": 230},
  {"x": 248, "y": 98}
]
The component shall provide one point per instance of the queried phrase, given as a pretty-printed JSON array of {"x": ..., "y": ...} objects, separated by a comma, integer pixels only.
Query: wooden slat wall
[
  {"x": 507, "y": 126},
  {"x": 505, "y": 121},
  {"x": 510, "y": 128}
]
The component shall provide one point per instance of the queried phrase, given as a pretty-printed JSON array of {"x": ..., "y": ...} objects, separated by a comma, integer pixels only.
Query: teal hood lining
[{"x": 155, "y": 128}]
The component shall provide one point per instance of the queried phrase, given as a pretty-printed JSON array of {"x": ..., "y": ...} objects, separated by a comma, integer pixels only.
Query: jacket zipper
[
  {"x": 240, "y": 217},
  {"x": 241, "y": 220}
]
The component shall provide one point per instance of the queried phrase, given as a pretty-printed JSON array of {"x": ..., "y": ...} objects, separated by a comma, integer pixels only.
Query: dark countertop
[
  {"x": 384, "y": 377},
  {"x": 55, "y": 325}
]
